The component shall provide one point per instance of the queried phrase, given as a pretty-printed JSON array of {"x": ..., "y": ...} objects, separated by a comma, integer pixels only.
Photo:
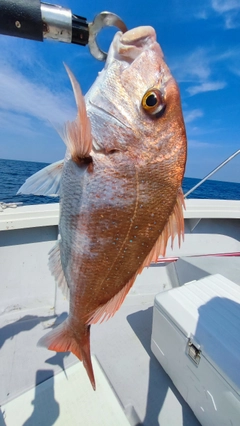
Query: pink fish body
[{"x": 121, "y": 195}]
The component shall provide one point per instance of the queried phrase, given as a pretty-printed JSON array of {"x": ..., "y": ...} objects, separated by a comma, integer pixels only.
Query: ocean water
[{"x": 14, "y": 173}]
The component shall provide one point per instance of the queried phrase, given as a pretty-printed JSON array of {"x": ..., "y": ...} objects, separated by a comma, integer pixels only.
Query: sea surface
[{"x": 14, "y": 173}]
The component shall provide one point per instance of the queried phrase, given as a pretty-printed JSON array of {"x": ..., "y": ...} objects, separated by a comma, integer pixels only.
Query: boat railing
[{"x": 212, "y": 173}]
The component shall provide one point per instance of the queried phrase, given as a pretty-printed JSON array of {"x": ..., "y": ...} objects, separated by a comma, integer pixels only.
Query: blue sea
[{"x": 14, "y": 173}]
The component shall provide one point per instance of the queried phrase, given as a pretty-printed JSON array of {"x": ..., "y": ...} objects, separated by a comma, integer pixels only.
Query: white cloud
[
  {"x": 199, "y": 144},
  {"x": 235, "y": 70},
  {"x": 195, "y": 65},
  {"x": 206, "y": 69},
  {"x": 201, "y": 15},
  {"x": 222, "y": 6},
  {"x": 231, "y": 22},
  {"x": 30, "y": 96},
  {"x": 17, "y": 123},
  {"x": 192, "y": 115},
  {"x": 21, "y": 95},
  {"x": 229, "y": 10},
  {"x": 206, "y": 87}
]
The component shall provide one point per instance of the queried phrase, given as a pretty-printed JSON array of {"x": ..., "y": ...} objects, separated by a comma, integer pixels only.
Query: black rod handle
[
  {"x": 21, "y": 18},
  {"x": 37, "y": 21}
]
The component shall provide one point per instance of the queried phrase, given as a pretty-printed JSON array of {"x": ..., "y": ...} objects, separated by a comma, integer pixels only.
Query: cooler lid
[{"x": 208, "y": 311}]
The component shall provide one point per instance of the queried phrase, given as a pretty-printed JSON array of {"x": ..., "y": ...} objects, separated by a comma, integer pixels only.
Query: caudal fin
[{"x": 62, "y": 339}]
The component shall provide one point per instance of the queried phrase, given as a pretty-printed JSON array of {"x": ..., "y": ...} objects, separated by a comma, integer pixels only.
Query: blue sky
[{"x": 201, "y": 43}]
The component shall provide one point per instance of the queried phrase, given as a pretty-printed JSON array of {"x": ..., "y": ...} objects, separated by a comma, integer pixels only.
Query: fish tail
[{"x": 62, "y": 339}]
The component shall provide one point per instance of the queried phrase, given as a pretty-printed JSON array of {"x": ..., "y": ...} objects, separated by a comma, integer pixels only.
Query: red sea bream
[{"x": 120, "y": 185}]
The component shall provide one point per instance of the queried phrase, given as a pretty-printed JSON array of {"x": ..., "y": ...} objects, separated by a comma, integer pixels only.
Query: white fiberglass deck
[
  {"x": 54, "y": 402},
  {"x": 30, "y": 304},
  {"x": 122, "y": 347}
]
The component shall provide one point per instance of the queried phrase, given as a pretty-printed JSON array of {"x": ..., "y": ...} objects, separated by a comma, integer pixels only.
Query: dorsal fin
[
  {"x": 174, "y": 226},
  {"x": 77, "y": 134}
]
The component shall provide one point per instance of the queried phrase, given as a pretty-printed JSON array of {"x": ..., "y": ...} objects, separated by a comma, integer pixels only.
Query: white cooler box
[{"x": 196, "y": 338}]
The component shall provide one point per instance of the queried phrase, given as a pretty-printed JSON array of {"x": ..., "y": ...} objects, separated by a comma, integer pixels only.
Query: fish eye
[{"x": 153, "y": 101}]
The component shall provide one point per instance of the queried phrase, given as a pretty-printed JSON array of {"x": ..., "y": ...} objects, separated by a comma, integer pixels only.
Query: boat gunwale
[{"x": 38, "y": 215}]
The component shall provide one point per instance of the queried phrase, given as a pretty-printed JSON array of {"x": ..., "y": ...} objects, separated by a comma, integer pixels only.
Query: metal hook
[{"x": 104, "y": 19}]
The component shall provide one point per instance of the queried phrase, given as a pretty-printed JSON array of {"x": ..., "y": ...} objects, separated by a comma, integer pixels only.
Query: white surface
[
  {"x": 67, "y": 400},
  {"x": 202, "y": 208},
  {"x": 29, "y": 216},
  {"x": 208, "y": 311},
  {"x": 48, "y": 214},
  {"x": 122, "y": 344}
]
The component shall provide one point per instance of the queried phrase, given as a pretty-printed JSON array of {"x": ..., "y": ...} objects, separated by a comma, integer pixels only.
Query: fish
[{"x": 119, "y": 185}]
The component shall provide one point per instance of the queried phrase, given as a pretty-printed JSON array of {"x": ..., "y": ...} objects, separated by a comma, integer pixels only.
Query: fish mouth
[
  {"x": 131, "y": 44},
  {"x": 138, "y": 37}
]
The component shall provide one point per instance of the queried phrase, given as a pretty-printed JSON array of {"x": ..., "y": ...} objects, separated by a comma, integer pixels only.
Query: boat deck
[
  {"x": 122, "y": 348},
  {"x": 127, "y": 373}
]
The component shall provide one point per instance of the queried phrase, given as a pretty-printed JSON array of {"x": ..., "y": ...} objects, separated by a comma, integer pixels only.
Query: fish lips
[{"x": 128, "y": 46}]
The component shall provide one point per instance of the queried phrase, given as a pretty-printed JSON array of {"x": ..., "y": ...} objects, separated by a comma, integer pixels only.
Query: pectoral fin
[
  {"x": 45, "y": 182},
  {"x": 56, "y": 269}
]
